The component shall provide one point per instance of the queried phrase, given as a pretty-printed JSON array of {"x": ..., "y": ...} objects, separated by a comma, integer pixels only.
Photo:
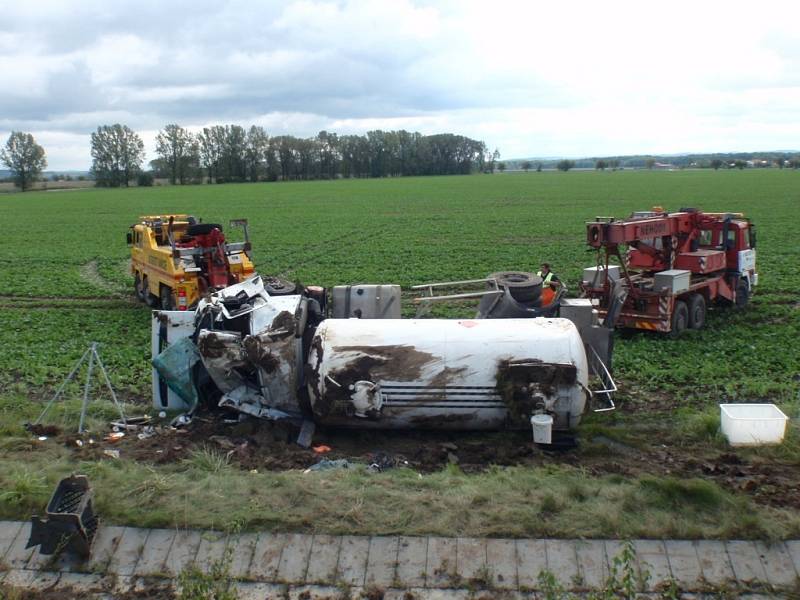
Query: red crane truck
[{"x": 670, "y": 267}]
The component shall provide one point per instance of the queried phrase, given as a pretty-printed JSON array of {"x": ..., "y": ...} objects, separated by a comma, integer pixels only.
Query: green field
[{"x": 64, "y": 282}]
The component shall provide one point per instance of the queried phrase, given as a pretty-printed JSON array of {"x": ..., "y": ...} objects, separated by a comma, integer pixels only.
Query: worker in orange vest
[{"x": 550, "y": 283}]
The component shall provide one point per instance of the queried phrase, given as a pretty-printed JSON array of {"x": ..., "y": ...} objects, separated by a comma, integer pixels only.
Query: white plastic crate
[{"x": 752, "y": 424}]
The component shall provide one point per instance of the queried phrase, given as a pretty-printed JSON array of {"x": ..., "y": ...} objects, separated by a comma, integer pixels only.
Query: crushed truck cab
[{"x": 175, "y": 260}]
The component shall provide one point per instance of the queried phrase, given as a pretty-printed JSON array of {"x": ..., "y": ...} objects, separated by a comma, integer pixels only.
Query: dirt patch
[{"x": 271, "y": 446}]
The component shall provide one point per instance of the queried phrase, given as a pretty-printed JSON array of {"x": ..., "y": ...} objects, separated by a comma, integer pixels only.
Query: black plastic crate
[{"x": 69, "y": 524}]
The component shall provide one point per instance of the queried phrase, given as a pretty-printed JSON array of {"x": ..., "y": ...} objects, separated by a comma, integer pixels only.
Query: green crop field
[{"x": 64, "y": 283}]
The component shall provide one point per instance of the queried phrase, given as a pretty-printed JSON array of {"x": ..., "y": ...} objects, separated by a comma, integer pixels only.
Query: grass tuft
[
  {"x": 207, "y": 460},
  {"x": 671, "y": 494}
]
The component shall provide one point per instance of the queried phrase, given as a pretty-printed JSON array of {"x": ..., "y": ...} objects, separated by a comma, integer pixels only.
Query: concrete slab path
[{"x": 276, "y": 565}]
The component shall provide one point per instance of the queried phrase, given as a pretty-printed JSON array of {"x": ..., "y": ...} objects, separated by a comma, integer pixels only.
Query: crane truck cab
[{"x": 176, "y": 259}]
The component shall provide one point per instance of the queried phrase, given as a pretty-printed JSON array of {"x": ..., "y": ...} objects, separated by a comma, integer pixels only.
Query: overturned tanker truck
[{"x": 353, "y": 362}]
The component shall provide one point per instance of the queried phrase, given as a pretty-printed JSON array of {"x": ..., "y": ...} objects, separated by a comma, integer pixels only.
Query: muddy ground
[{"x": 267, "y": 446}]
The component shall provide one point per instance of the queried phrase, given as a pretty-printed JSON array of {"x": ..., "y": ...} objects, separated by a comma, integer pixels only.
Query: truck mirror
[{"x": 130, "y": 238}]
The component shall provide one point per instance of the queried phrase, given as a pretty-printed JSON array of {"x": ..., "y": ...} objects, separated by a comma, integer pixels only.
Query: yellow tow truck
[{"x": 176, "y": 259}]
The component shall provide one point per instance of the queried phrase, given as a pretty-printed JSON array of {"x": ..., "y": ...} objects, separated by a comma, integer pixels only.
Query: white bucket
[{"x": 542, "y": 429}]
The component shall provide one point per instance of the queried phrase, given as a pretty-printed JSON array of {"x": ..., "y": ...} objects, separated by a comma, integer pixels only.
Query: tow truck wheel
[
  {"x": 742, "y": 293},
  {"x": 697, "y": 311},
  {"x": 137, "y": 286},
  {"x": 165, "y": 298},
  {"x": 150, "y": 299},
  {"x": 680, "y": 318}
]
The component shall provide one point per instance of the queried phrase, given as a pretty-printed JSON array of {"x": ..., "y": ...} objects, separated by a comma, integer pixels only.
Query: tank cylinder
[{"x": 446, "y": 373}]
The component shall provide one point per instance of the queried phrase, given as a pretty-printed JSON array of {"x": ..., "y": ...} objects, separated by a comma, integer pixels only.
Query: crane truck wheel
[
  {"x": 523, "y": 287},
  {"x": 680, "y": 318},
  {"x": 697, "y": 311},
  {"x": 742, "y": 293}
]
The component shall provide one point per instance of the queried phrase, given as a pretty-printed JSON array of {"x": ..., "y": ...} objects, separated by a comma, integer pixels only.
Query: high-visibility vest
[{"x": 547, "y": 279}]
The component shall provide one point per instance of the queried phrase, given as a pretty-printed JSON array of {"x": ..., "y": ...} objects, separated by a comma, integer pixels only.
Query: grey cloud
[{"x": 265, "y": 63}]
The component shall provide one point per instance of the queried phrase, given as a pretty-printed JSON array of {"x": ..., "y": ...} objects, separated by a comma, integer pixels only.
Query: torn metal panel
[
  {"x": 224, "y": 358},
  {"x": 275, "y": 349},
  {"x": 240, "y": 299},
  {"x": 249, "y": 401}
]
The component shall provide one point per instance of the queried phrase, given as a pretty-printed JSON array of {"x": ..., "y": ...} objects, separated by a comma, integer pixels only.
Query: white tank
[{"x": 445, "y": 373}]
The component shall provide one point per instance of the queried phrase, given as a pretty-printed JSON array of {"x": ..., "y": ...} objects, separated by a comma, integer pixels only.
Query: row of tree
[{"x": 230, "y": 153}]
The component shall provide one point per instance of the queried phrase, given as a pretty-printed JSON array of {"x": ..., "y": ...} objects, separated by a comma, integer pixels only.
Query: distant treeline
[
  {"x": 230, "y": 153},
  {"x": 723, "y": 160}
]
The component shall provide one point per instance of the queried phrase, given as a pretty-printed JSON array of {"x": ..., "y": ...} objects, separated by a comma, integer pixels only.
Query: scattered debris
[
  {"x": 321, "y": 449},
  {"x": 111, "y": 452},
  {"x": 148, "y": 432},
  {"x": 131, "y": 423},
  {"x": 380, "y": 461},
  {"x": 114, "y": 437},
  {"x": 181, "y": 421},
  {"x": 327, "y": 465}
]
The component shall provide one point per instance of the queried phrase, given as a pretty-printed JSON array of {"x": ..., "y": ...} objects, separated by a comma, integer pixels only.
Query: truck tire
[
  {"x": 742, "y": 293},
  {"x": 150, "y": 299},
  {"x": 279, "y": 287},
  {"x": 137, "y": 287},
  {"x": 697, "y": 311},
  {"x": 680, "y": 318},
  {"x": 523, "y": 287},
  {"x": 165, "y": 298}
]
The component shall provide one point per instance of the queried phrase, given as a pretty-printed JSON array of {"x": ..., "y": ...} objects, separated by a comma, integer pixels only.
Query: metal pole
[
  {"x": 110, "y": 389},
  {"x": 62, "y": 386},
  {"x": 86, "y": 387}
]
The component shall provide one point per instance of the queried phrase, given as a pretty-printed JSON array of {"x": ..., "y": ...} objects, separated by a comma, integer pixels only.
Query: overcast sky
[{"x": 530, "y": 78}]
